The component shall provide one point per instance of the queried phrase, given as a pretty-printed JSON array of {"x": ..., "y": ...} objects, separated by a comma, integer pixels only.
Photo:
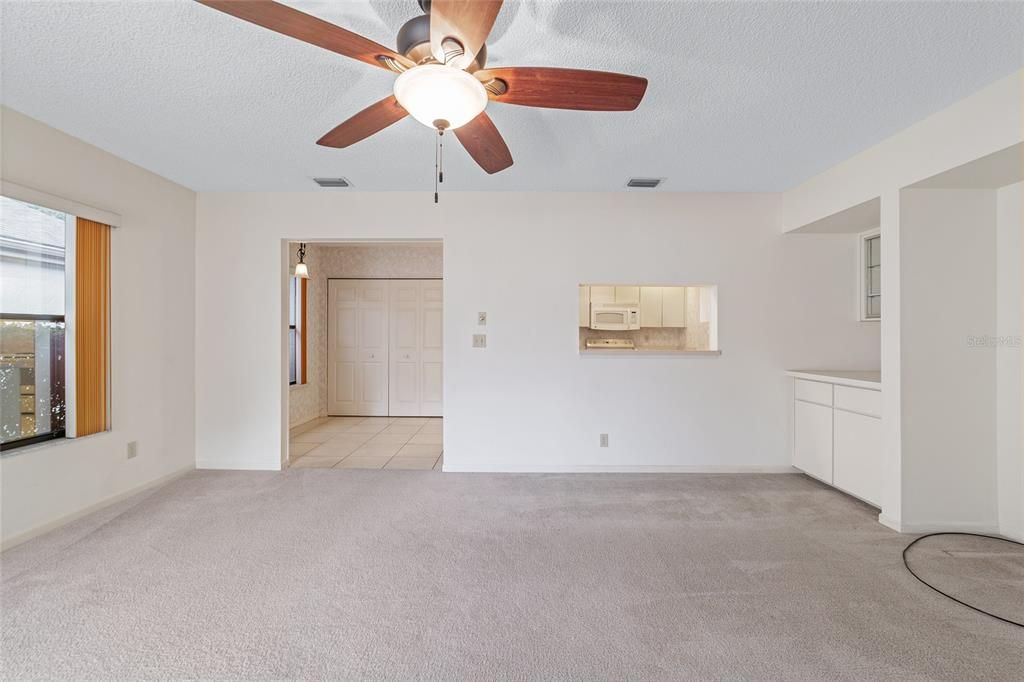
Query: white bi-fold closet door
[
  {"x": 414, "y": 377},
  {"x": 384, "y": 347}
]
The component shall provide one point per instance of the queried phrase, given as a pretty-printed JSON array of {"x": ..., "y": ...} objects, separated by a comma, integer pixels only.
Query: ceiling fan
[{"x": 442, "y": 81}]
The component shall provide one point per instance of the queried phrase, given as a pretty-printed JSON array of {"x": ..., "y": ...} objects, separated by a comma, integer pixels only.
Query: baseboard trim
[
  {"x": 952, "y": 527},
  {"x": 44, "y": 528},
  {"x": 889, "y": 523},
  {"x": 621, "y": 469},
  {"x": 235, "y": 465},
  {"x": 305, "y": 426}
]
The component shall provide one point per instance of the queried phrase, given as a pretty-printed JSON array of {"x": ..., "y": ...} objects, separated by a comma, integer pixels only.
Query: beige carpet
[{"x": 347, "y": 574}]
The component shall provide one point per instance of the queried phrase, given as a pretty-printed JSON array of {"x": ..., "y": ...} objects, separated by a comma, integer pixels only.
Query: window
[
  {"x": 871, "y": 276},
  {"x": 297, "y": 330},
  {"x": 54, "y": 324},
  {"x": 32, "y": 323}
]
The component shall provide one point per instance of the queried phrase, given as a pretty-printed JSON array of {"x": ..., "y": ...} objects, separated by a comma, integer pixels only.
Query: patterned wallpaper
[
  {"x": 304, "y": 401},
  {"x": 384, "y": 261},
  {"x": 354, "y": 261}
]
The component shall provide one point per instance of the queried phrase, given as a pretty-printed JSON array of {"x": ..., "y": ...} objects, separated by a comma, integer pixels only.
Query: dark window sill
[{"x": 22, "y": 442}]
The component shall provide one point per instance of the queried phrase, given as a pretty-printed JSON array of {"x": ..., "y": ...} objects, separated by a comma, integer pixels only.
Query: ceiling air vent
[
  {"x": 332, "y": 182},
  {"x": 647, "y": 183}
]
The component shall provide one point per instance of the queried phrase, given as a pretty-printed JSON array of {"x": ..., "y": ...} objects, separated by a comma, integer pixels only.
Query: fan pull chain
[{"x": 438, "y": 161}]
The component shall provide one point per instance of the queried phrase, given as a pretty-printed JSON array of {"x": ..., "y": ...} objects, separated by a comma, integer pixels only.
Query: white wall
[
  {"x": 1010, "y": 458},
  {"x": 983, "y": 123},
  {"x": 152, "y": 331},
  {"x": 948, "y": 364},
  {"x": 529, "y": 401}
]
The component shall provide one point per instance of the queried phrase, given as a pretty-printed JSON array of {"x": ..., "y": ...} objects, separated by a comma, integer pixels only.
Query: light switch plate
[
  {"x": 132, "y": 449},
  {"x": 481, "y": 319},
  {"x": 479, "y": 340},
  {"x": 604, "y": 440}
]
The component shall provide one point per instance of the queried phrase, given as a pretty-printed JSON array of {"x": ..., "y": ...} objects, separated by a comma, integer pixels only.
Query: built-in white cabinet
[
  {"x": 602, "y": 294},
  {"x": 812, "y": 442},
  {"x": 627, "y": 294},
  {"x": 673, "y": 307},
  {"x": 837, "y": 435},
  {"x": 584, "y": 305},
  {"x": 650, "y": 306},
  {"x": 659, "y": 306},
  {"x": 857, "y": 454}
]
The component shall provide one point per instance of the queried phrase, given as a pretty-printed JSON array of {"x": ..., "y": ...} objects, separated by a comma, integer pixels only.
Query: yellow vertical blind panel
[{"x": 92, "y": 326}]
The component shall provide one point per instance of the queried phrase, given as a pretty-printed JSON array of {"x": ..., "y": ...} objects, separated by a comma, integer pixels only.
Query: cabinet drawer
[
  {"x": 812, "y": 391},
  {"x": 860, "y": 400}
]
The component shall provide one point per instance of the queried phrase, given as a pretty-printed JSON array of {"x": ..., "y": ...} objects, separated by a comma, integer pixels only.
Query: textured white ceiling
[{"x": 742, "y": 96}]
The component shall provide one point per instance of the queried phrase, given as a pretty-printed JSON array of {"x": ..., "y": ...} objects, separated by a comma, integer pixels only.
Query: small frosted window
[{"x": 872, "y": 275}]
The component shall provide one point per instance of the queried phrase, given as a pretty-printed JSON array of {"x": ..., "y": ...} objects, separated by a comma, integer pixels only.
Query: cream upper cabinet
[
  {"x": 673, "y": 306},
  {"x": 650, "y": 306},
  {"x": 627, "y": 294},
  {"x": 602, "y": 294},
  {"x": 584, "y": 305}
]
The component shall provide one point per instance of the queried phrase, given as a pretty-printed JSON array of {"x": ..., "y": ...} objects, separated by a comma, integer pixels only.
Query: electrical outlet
[
  {"x": 132, "y": 450},
  {"x": 479, "y": 340},
  {"x": 604, "y": 440},
  {"x": 481, "y": 319}
]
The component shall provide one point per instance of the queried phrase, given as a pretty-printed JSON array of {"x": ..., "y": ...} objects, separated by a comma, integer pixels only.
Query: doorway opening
[{"x": 365, "y": 355}]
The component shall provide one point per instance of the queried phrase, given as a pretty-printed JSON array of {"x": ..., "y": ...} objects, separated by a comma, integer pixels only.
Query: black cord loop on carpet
[{"x": 944, "y": 594}]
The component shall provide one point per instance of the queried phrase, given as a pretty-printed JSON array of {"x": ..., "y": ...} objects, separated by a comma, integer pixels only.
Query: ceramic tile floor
[{"x": 369, "y": 443}]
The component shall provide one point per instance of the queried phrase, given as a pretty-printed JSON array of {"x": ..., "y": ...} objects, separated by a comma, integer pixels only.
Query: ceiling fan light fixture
[{"x": 433, "y": 92}]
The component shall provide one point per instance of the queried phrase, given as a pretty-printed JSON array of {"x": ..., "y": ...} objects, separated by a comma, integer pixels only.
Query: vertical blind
[{"x": 92, "y": 326}]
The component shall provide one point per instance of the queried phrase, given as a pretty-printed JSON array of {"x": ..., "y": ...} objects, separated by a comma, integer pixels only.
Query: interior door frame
[
  {"x": 327, "y": 345},
  {"x": 286, "y": 251}
]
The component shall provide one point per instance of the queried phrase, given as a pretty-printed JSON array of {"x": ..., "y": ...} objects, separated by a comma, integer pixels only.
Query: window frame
[
  {"x": 863, "y": 280},
  {"x": 67, "y": 387},
  {"x": 297, "y": 302}
]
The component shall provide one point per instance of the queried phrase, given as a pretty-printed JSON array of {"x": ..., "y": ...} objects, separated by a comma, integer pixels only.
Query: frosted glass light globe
[{"x": 433, "y": 92}]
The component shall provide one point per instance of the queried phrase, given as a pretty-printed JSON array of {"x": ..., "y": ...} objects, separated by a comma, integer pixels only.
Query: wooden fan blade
[
  {"x": 309, "y": 29},
  {"x": 370, "y": 120},
  {"x": 485, "y": 144},
  {"x": 553, "y": 88},
  {"x": 468, "y": 21}
]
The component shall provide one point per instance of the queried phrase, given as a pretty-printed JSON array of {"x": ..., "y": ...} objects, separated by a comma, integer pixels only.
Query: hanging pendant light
[{"x": 301, "y": 271}]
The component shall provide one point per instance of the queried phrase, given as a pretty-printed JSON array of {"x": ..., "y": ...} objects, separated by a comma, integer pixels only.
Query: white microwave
[{"x": 615, "y": 316}]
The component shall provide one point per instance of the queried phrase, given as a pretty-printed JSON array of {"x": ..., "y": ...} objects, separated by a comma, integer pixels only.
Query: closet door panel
[
  {"x": 373, "y": 335},
  {"x": 343, "y": 347},
  {"x": 406, "y": 319},
  {"x": 357, "y": 347},
  {"x": 431, "y": 350}
]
